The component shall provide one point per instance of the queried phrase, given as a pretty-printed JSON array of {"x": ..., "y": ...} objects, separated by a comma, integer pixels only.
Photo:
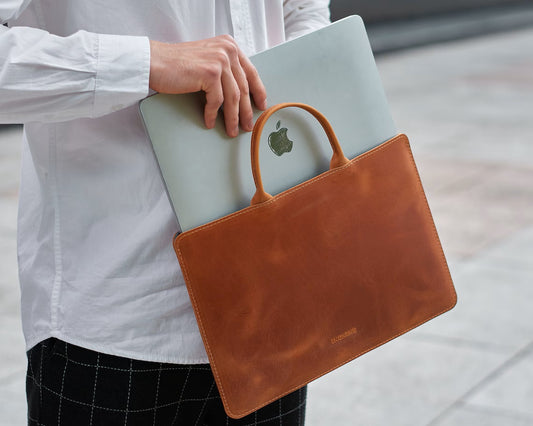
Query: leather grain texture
[{"x": 293, "y": 287}]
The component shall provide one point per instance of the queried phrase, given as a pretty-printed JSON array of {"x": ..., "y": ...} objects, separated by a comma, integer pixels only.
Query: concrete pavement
[{"x": 468, "y": 110}]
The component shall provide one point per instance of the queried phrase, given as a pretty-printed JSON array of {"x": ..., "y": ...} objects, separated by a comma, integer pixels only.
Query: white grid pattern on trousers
[{"x": 69, "y": 385}]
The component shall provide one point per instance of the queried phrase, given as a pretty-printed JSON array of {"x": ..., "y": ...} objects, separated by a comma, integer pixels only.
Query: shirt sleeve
[
  {"x": 48, "y": 78},
  {"x": 304, "y": 16}
]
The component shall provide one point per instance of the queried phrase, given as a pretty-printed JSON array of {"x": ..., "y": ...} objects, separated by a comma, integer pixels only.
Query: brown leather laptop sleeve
[{"x": 298, "y": 284}]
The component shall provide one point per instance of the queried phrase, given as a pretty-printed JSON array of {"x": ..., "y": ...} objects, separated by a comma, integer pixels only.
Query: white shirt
[{"x": 96, "y": 264}]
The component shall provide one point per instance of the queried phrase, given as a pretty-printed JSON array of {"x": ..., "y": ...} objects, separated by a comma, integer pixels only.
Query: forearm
[{"x": 49, "y": 78}]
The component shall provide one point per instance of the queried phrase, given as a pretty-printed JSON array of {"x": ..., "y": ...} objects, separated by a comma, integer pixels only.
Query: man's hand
[{"x": 219, "y": 68}]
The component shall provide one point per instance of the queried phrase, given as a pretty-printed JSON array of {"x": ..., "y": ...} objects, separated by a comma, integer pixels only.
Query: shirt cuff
[{"x": 122, "y": 73}]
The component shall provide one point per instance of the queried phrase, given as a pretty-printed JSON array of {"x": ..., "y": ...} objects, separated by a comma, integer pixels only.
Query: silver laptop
[{"x": 208, "y": 174}]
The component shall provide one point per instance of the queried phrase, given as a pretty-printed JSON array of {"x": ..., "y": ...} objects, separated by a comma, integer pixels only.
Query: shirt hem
[{"x": 31, "y": 342}]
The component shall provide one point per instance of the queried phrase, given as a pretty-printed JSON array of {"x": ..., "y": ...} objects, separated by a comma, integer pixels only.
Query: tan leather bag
[{"x": 298, "y": 284}]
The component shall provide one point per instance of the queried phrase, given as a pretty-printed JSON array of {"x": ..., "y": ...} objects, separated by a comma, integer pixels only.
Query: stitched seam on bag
[{"x": 318, "y": 178}]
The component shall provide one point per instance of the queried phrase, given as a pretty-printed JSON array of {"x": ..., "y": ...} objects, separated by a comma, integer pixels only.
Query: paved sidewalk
[{"x": 468, "y": 110}]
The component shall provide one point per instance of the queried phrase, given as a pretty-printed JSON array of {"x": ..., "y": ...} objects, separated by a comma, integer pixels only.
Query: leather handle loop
[{"x": 338, "y": 159}]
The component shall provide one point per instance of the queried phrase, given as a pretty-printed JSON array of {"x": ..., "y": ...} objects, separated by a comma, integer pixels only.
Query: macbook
[{"x": 208, "y": 175}]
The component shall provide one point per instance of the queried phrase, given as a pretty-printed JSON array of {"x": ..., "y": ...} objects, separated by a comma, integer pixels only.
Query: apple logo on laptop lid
[{"x": 278, "y": 141}]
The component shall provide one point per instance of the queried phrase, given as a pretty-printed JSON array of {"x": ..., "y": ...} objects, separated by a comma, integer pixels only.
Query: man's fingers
[
  {"x": 256, "y": 86},
  {"x": 246, "y": 114},
  {"x": 244, "y": 107},
  {"x": 214, "y": 99},
  {"x": 232, "y": 98}
]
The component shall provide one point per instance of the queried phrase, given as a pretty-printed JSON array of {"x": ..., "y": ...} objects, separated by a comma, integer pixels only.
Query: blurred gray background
[
  {"x": 388, "y": 10},
  {"x": 459, "y": 78}
]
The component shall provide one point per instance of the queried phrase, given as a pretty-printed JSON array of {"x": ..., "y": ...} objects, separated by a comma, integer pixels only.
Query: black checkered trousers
[{"x": 72, "y": 386}]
